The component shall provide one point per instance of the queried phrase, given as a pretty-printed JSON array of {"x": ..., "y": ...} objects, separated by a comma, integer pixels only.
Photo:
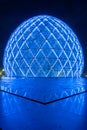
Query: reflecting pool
[{"x": 68, "y": 112}]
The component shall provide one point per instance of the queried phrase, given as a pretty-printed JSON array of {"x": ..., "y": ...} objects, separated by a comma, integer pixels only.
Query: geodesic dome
[{"x": 43, "y": 46}]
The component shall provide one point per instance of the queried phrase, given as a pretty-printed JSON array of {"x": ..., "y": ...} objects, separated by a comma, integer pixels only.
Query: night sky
[{"x": 72, "y": 12}]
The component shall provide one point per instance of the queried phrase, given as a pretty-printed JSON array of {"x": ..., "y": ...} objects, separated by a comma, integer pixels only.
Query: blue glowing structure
[{"x": 43, "y": 46}]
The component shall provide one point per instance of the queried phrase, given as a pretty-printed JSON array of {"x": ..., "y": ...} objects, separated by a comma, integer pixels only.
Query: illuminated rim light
[{"x": 43, "y": 46}]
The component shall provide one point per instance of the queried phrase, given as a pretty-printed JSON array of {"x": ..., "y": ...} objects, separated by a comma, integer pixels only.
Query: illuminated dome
[{"x": 43, "y": 46}]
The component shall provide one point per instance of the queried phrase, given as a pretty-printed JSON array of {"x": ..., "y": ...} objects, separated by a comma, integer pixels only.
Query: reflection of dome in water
[{"x": 43, "y": 46}]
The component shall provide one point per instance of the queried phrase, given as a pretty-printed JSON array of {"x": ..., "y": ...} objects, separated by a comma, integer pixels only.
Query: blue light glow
[{"x": 43, "y": 46}]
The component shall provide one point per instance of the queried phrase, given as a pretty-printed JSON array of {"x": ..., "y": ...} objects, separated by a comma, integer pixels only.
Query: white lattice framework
[{"x": 43, "y": 46}]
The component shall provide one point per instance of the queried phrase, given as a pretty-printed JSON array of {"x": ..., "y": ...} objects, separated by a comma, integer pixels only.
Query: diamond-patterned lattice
[{"x": 43, "y": 46}]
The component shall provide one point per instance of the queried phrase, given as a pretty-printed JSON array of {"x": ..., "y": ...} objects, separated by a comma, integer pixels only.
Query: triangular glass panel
[
  {"x": 41, "y": 61},
  {"x": 75, "y": 51},
  {"x": 25, "y": 46},
  {"x": 46, "y": 51},
  {"x": 12, "y": 57},
  {"x": 19, "y": 42},
  {"x": 19, "y": 72},
  {"x": 20, "y": 61},
  {"x": 52, "y": 61},
  {"x": 36, "y": 33},
  {"x": 15, "y": 50},
  {"x": 34, "y": 65},
  {"x": 34, "y": 45},
  {"x": 41, "y": 27},
  {"x": 28, "y": 54},
  {"x": 40, "y": 55},
  {"x": 40, "y": 40},
  {"x": 52, "y": 55},
  {"x": 62, "y": 42},
  {"x": 68, "y": 52},
  {"x": 52, "y": 41},
  {"x": 62, "y": 61},
  {"x": 34, "y": 51},
  {"x": 69, "y": 73},
  {"x": 46, "y": 45},
  {"x": 18, "y": 56},
  {"x": 67, "y": 66},
  {"x": 46, "y": 32},
  {"x": 15, "y": 65},
  {"x": 25, "y": 69},
  {"x": 29, "y": 60},
  {"x": 40, "y": 73},
  {"x": 67, "y": 48},
  {"x": 69, "y": 42},
  {"x": 57, "y": 66},
  {"x": 58, "y": 52},
  {"x": 52, "y": 73},
  {"x": 27, "y": 33},
  {"x": 46, "y": 65},
  {"x": 75, "y": 67},
  {"x": 62, "y": 74},
  {"x": 56, "y": 34},
  {"x": 32, "y": 27},
  {"x": 63, "y": 56},
  {"x": 72, "y": 58},
  {"x": 65, "y": 34},
  {"x": 24, "y": 64},
  {"x": 57, "y": 45},
  {"x": 29, "y": 74}
]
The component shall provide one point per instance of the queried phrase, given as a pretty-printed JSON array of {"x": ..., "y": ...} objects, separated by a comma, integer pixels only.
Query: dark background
[{"x": 73, "y": 12}]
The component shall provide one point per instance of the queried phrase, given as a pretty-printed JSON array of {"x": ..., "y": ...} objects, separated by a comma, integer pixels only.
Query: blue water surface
[
  {"x": 44, "y": 89},
  {"x": 17, "y": 113}
]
